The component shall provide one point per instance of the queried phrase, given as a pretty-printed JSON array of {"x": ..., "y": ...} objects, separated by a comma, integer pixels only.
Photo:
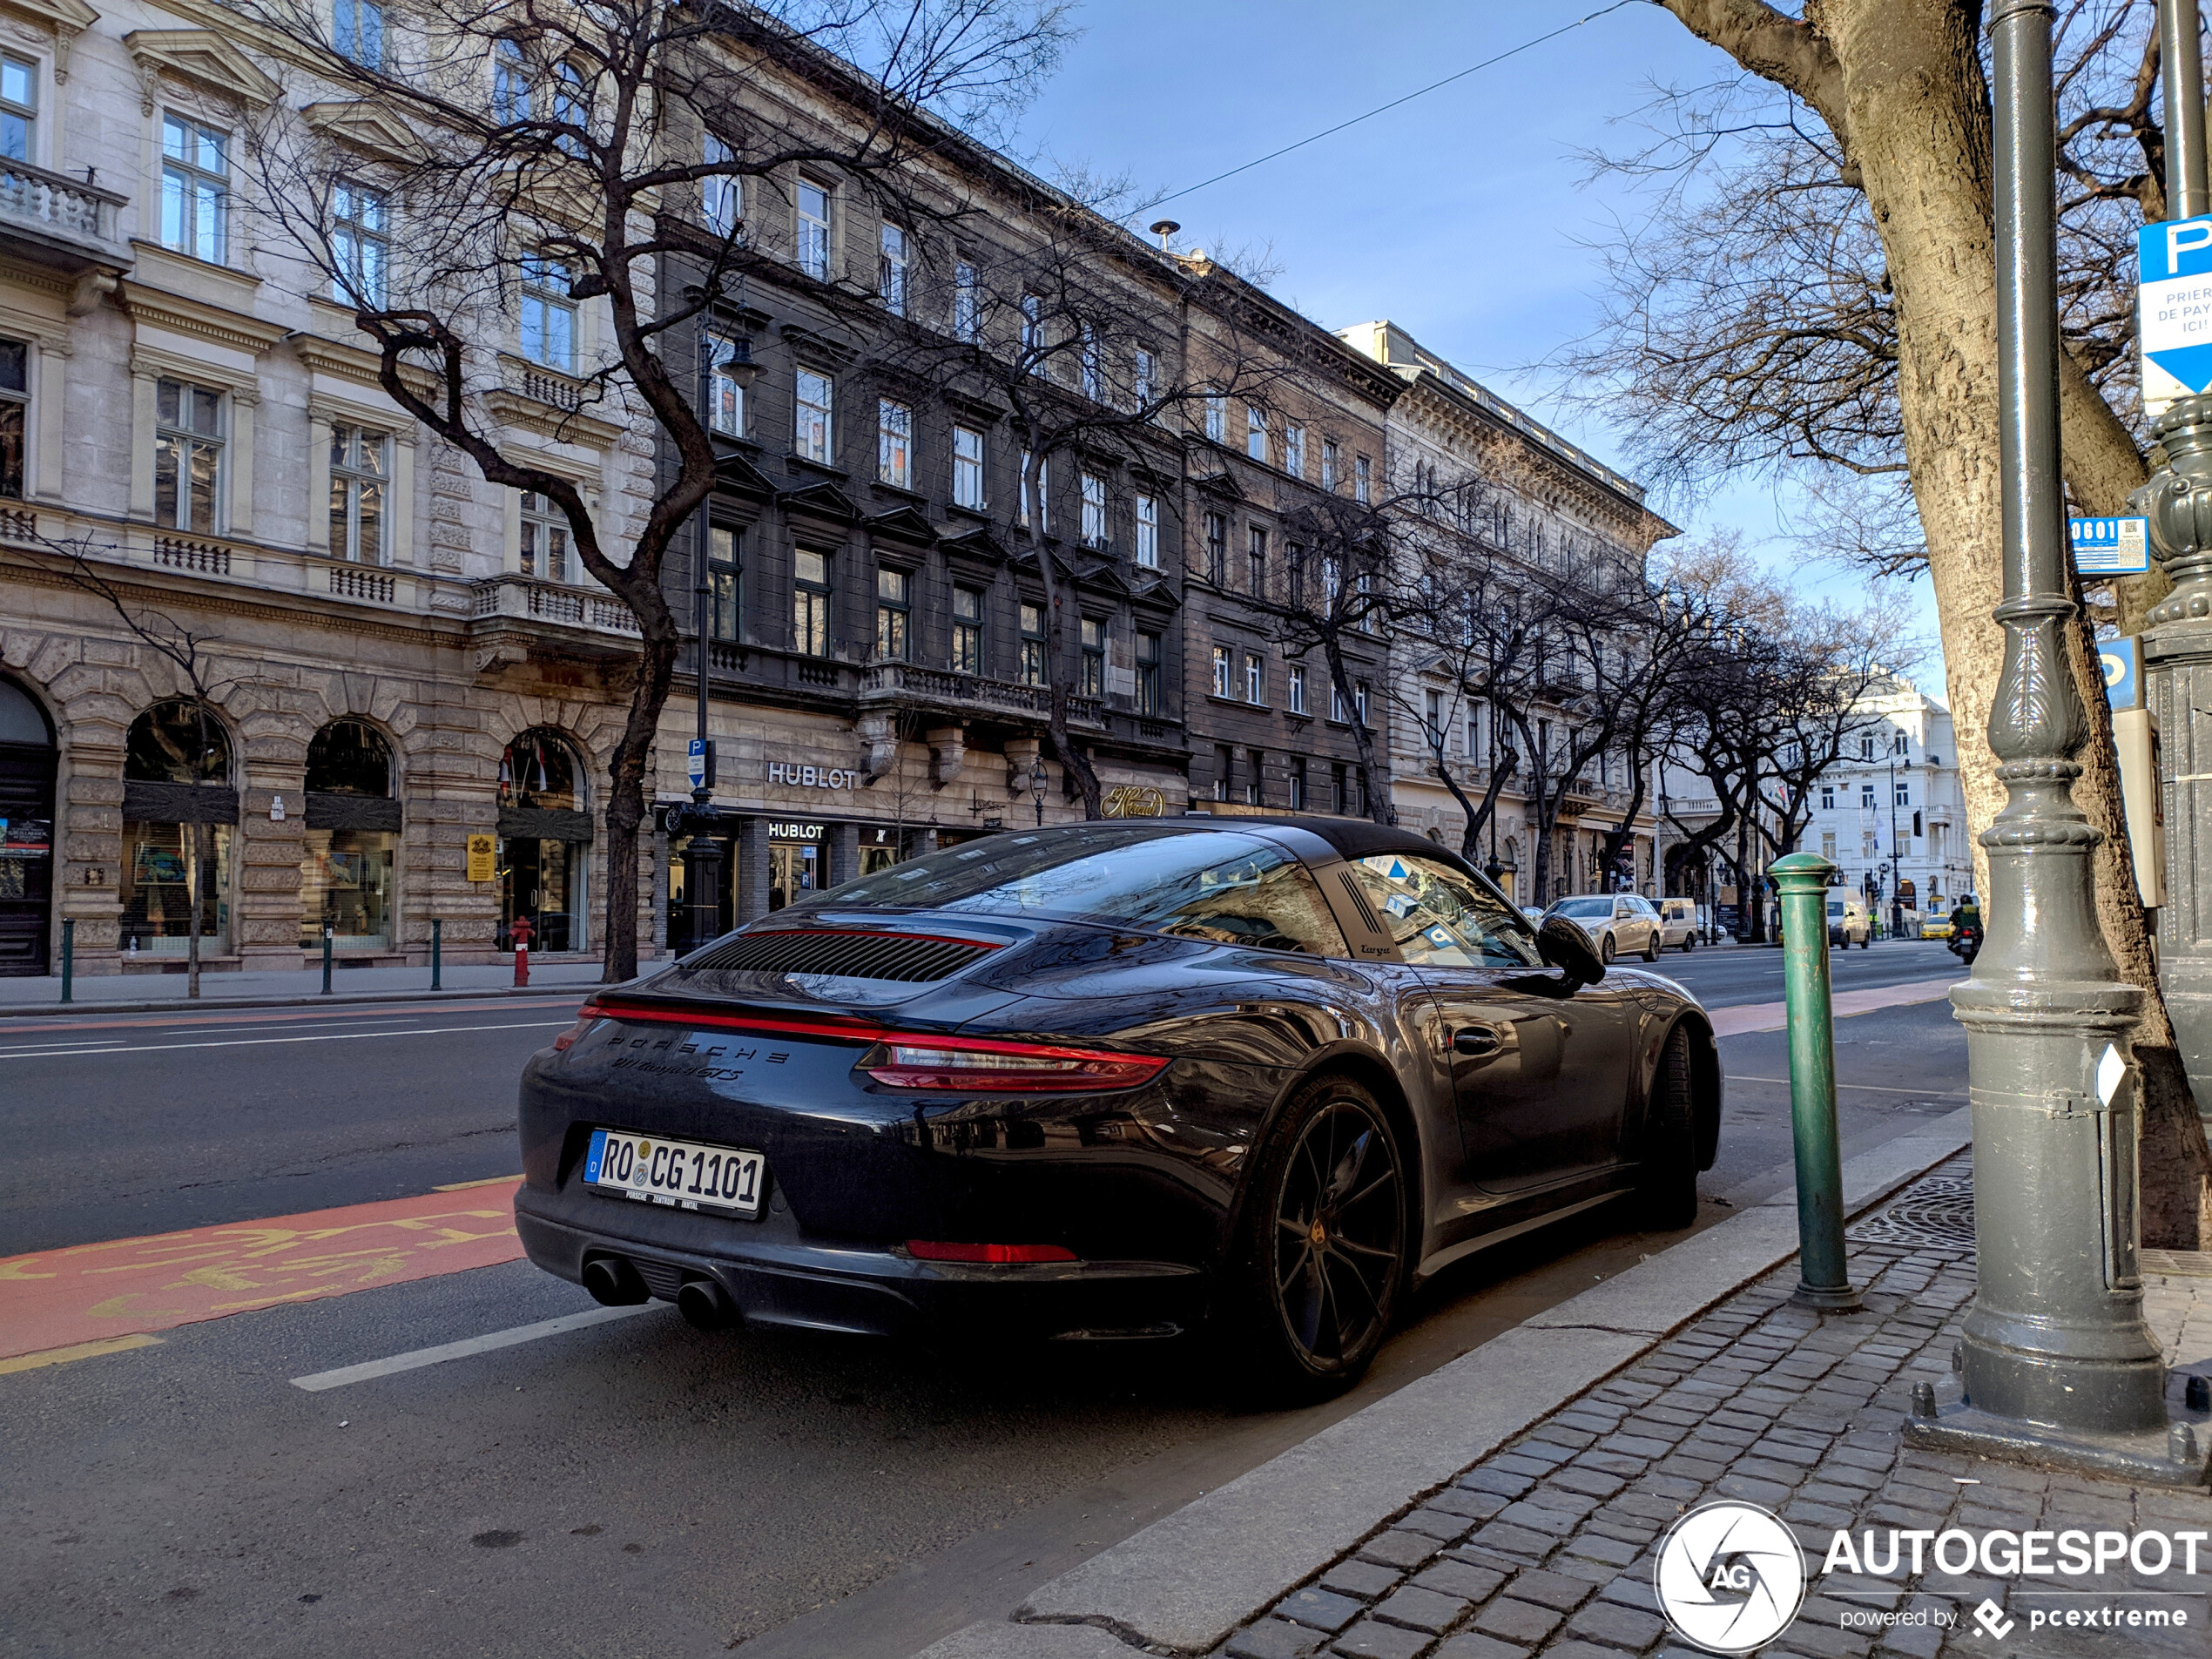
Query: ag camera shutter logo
[{"x": 1730, "y": 1577}]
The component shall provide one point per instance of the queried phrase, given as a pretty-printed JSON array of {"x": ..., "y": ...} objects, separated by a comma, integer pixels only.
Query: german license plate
[{"x": 680, "y": 1175}]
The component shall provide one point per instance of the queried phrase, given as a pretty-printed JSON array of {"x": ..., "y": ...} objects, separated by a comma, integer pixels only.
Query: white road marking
[
  {"x": 250, "y": 1043},
  {"x": 369, "y": 1369}
]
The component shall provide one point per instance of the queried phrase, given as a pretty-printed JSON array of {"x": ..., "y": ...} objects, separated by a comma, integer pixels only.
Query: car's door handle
[{"x": 1476, "y": 1039}]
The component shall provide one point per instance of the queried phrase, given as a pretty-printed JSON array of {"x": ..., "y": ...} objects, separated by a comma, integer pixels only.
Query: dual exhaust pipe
[{"x": 614, "y": 1281}]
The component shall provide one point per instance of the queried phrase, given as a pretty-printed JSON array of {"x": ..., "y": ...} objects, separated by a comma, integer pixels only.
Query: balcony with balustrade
[
  {"x": 513, "y": 617},
  {"x": 62, "y": 223},
  {"x": 969, "y": 697}
]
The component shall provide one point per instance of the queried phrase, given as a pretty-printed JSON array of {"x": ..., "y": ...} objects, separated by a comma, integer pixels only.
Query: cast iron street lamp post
[
  {"x": 1037, "y": 782},
  {"x": 2058, "y": 1365}
]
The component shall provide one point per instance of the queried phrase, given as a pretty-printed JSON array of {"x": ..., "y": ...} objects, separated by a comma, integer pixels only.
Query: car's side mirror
[{"x": 1563, "y": 945}]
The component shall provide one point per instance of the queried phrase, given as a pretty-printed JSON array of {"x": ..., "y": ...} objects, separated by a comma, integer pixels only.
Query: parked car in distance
[
  {"x": 1616, "y": 922},
  {"x": 1935, "y": 927},
  {"x": 986, "y": 1091},
  {"x": 1678, "y": 923},
  {"x": 1848, "y": 923}
]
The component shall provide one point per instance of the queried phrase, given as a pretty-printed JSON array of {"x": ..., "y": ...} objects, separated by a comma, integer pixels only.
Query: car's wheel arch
[
  {"x": 1705, "y": 1082},
  {"x": 1372, "y": 1072}
]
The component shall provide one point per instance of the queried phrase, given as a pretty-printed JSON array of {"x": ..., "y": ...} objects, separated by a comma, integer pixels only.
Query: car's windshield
[
  {"x": 1214, "y": 885},
  {"x": 1584, "y": 907}
]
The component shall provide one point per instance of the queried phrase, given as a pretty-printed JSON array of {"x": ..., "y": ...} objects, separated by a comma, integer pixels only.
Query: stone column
[
  {"x": 265, "y": 915},
  {"x": 842, "y": 849},
  {"x": 749, "y": 896},
  {"x": 87, "y": 862}
]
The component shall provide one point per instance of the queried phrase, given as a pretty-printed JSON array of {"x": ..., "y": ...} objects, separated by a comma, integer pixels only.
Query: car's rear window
[
  {"x": 1584, "y": 907},
  {"x": 1835, "y": 906},
  {"x": 1215, "y": 885}
]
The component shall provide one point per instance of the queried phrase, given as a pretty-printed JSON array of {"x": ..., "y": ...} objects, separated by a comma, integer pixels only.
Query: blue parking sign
[{"x": 2122, "y": 661}]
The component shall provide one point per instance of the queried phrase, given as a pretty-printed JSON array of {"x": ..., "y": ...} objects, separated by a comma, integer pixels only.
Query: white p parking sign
[{"x": 2173, "y": 309}]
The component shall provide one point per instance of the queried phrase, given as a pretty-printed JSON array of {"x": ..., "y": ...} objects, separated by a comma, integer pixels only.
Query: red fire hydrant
[{"x": 522, "y": 930}]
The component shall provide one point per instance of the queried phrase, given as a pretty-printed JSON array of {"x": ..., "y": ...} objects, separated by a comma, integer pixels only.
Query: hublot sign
[{"x": 800, "y": 777}]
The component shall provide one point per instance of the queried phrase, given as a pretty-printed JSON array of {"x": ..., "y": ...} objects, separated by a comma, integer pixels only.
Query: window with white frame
[
  {"x": 726, "y": 578},
  {"x": 1148, "y": 673},
  {"x": 1032, "y": 624},
  {"x": 894, "y": 440},
  {"x": 549, "y": 315},
  {"x": 1043, "y": 495},
  {"x": 1297, "y": 801},
  {"x": 571, "y": 109},
  {"x": 1216, "y": 418},
  {"x": 195, "y": 188},
  {"x": 1903, "y": 794},
  {"x": 721, "y": 195},
  {"x": 1294, "y": 451},
  {"x": 361, "y": 472},
  {"x": 891, "y": 274},
  {"x": 15, "y": 399},
  {"x": 1827, "y": 844},
  {"x": 357, "y": 31},
  {"x": 188, "y": 455},
  {"x": 1296, "y": 698},
  {"x": 810, "y": 602},
  {"x": 1090, "y": 366},
  {"x": 1148, "y": 532},
  {"x": 1033, "y": 333},
  {"x": 1224, "y": 669},
  {"x": 1360, "y": 699},
  {"x": 18, "y": 108},
  {"x": 1255, "y": 432},
  {"x": 1827, "y": 798},
  {"x": 812, "y": 202},
  {"x": 1092, "y": 488},
  {"x": 1255, "y": 777},
  {"x": 360, "y": 243},
  {"x": 1255, "y": 678},
  {"x": 1336, "y": 702},
  {"x": 1363, "y": 479},
  {"x": 1866, "y": 798},
  {"x": 543, "y": 550},
  {"x": 725, "y": 391},
  {"x": 968, "y": 469},
  {"x": 1094, "y": 654},
  {"x": 1328, "y": 466},
  {"x": 510, "y": 82},
  {"x": 968, "y": 630},
  {"x": 968, "y": 306},
  {"x": 1143, "y": 378},
  {"x": 1432, "y": 717},
  {"x": 812, "y": 398},
  {"x": 894, "y": 614}
]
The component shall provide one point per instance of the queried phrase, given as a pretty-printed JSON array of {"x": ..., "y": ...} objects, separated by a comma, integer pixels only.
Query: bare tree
[{"x": 527, "y": 145}]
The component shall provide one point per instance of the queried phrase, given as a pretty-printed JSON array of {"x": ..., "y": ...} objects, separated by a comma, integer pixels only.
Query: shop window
[
  {"x": 545, "y": 842},
  {"x": 795, "y": 868},
  {"x": 351, "y": 844},
  {"x": 175, "y": 838}
]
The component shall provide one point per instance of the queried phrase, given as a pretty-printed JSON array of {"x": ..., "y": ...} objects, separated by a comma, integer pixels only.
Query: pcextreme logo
[{"x": 1730, "y": 1577}]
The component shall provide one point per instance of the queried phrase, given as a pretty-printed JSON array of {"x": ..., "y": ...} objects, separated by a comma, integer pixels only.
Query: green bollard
[
  {"x": 437, "y": 944},
  {"x": 68, "y": 960},
  {"x": 1824, "y": 1280}
]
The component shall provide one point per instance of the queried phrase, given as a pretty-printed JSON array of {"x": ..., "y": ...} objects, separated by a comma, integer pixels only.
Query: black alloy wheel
[{"x": 1324, "y": 1237}]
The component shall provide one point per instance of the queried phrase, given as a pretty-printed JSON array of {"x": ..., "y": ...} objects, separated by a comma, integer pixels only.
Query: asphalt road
[{"x": 631, "y": 1487}]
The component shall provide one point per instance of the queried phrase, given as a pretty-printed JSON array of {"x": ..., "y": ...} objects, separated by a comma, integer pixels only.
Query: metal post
[
  {"x": 68, "y": 960},
  {"x": 702, "y": 854},
  {"x": 2181, "y": 58},
  {"x": 1824, "y": 1280},
  {"x": 2177, "y": 635},
  {"x": 326, "y": 961},
  {"x": 437, "y": 953},
  {"x": 2058, "y": 1366}
]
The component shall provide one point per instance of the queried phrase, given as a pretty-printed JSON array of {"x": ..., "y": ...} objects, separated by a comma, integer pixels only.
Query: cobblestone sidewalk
[{"x": 1547, "y": 1546}]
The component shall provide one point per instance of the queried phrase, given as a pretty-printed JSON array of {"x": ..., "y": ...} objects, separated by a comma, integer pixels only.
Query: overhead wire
[{"x": 1381, "y": 109}]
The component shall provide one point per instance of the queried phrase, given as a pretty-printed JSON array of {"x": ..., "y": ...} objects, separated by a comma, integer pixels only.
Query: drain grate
[{"x": 1934, "y": 1213}]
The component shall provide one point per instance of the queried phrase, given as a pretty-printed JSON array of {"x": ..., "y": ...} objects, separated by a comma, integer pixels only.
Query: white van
[{"x": 1848, "y": 923}]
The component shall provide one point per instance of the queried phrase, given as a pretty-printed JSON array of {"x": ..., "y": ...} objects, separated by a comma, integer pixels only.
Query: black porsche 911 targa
[{"x": 1114, "y": 1079}]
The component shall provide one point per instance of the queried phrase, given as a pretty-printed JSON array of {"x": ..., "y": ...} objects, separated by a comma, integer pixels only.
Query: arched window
[
  {"x": 349, "y": 757},
  {"x": 179, "y": 815},
  {"x": 544, "y": 841},
  {"x": 540, "y": 770},
  {"x": 348, "y": 856},
  {"x": 27, "y": 760},
  {"x": 177, "y": 741}
]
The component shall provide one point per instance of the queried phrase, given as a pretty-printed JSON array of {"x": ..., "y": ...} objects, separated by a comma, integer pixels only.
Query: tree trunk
[
  {"x": 1371, "y": 781},
  {"x": 195, "y": 881},
  {"x": 626, "y": 801},
  {"x": 1060, "y": 664}
]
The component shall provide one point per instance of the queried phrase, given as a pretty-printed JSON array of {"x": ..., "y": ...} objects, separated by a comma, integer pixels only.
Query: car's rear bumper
[{"x": 773, "y": 1276}]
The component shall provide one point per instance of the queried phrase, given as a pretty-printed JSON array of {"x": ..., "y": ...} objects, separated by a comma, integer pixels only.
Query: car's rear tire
[
  {"x": 1320, "y": 1251},
  {"x": 1866, "y": 939},
  {"x": 1689, "y": 943},
  {"x": 1667, "y": 1185},
  {"x": 1605, "y": 948},
  {"x": 1651, "y": 946}
]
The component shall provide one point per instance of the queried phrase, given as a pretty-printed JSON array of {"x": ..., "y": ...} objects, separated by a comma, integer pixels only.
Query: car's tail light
[
  {"x": 994, "y": 1066},
  {"x": 585, "y": 1016},
  {"x": 923, "y": 1249}
]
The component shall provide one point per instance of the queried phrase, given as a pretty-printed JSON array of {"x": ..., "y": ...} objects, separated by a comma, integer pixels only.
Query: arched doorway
[
  {"x": 545, "y": 842},
  {"x": 27, "y": 756},
  {"x": 179, "y": 813},
  {"x": 347, "y": 854}
]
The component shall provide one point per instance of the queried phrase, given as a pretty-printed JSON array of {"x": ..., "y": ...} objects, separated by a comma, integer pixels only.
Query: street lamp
[
  {"x": 1037, "y": 782},
  {"x": 2057, "y": 1365}
]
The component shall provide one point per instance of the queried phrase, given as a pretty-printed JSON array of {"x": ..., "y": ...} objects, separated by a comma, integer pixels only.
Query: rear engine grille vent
[{"x": 845, "y": 955}]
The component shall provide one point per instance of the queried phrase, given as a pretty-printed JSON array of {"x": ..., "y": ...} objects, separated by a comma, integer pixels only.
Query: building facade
[
  {"x": 1892, "y": 813},
  {"x": 1541, "y": 507},
  {"x": 371, "y": 655}
]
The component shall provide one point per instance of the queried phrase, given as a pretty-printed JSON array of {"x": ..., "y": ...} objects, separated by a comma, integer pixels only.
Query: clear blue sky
[{"x": 1461, "y": 215}]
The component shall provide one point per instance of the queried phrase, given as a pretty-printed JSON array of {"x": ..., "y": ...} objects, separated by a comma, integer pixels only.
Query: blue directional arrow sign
[
  {"x": 2111, "y": 546},
  {"x": 2173, "y": 309},
  {"x": 699, "y": 764}
]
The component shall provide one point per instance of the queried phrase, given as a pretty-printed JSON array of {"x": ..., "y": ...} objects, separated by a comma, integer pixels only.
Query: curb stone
[
  {"x": 1185, "y": 1584},
  {"x": 336, "y": 999}
]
